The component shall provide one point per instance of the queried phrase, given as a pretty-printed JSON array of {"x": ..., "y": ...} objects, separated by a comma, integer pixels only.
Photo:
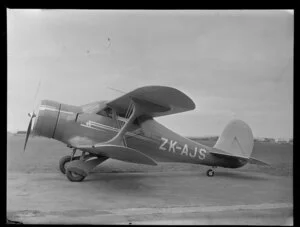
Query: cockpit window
[
  {"x": 107, "y": 112},
  {"x": 121, "y": 115}
]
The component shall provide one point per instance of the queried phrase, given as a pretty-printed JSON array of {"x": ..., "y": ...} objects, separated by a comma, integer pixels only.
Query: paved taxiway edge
[{"x": 174, "y": 210}]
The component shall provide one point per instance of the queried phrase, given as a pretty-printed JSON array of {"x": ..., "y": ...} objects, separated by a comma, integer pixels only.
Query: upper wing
[
  {"x": 221, "y": 153},
  {"x": 159, "y": 100}
]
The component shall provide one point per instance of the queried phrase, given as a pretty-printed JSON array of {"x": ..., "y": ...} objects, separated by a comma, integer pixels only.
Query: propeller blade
[
  {"x": 28, "y": 131},
  {"x": 32, "y": 115}
]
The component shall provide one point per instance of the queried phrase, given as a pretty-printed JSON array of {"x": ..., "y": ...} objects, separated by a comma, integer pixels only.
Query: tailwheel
[
  {"x": 73, "y": 176},
  {"x": 210, "y": 173},
  {"x": 64, "y": 160}
]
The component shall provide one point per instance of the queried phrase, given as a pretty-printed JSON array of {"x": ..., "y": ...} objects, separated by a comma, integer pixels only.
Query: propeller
[
  {"x": 31, "y": 115},
  {"x": 29, "y": 128}
]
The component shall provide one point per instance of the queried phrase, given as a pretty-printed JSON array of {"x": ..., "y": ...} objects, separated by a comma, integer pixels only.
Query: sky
[{"x": 231, "y": 63}]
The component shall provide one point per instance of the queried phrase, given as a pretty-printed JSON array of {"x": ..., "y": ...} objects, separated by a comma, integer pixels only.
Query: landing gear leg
[
  {"x": 73, "y": 153},
  {"x": 83, "y": 156},
  {"x": 66, "y": 159}
]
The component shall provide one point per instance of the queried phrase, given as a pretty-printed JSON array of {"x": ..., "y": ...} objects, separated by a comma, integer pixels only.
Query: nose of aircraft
[
  {"x": 32, "y": 116},
  {"x": 45, "y": 120}
]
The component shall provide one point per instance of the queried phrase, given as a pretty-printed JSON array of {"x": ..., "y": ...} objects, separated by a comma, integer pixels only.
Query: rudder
[{"x": 236, "y": 139}]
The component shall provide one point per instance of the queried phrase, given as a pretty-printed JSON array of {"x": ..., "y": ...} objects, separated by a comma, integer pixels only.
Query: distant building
[
  {"x": 270, "y": 140},
  {"x": 259, "y": 139},
  {"x": 281, "y": 140},
  {"x": 20, "y": 133}
]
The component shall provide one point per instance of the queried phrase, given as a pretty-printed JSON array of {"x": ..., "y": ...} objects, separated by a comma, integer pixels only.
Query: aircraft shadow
[
  {"x": 141, "y": 175},
  {"x": 240, "y": 175}
]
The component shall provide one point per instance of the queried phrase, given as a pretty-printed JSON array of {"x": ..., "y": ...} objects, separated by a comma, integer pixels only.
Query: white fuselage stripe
[
  {"x": 93, "y": 128},
  {"x": 97, "y": 126},
  {"x": 44, "y": 107},
  {"x": 89, "y": 124}
]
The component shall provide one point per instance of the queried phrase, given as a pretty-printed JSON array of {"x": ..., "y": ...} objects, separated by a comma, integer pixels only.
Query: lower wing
[{"x": 121, "y": 153}]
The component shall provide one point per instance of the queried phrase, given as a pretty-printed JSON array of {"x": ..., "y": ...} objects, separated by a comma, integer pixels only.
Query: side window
[
  {"x": 121, "y": 115},
  {"x": 107, "y": 112}
]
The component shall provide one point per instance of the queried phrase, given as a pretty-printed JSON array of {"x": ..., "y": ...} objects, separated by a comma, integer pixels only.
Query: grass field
[{"x": 37, "y": 193}]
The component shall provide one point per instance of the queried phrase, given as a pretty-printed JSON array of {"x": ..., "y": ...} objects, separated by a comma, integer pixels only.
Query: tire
[
  {"x": 74, "y": 177},
  {"x": 210, "y": 173},
  {"x": 64, "y": 160}
]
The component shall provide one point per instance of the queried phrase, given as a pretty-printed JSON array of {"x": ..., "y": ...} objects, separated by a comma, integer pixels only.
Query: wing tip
[{"x": 190, "y": 104}]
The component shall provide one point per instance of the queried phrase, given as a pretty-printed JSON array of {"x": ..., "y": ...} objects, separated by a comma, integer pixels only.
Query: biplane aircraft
[{"x": 125, "y": 129}]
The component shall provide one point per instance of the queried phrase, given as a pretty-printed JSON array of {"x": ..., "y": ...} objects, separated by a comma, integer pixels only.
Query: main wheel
[
  {"x": 210, "y": 173},
  {"x": 74, "y": 177},
  {"x": 64, "y": 160}
]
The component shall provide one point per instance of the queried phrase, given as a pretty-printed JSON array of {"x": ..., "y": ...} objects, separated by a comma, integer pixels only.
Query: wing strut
[
  {"x": 120, "y": 125},
  {"x": 119, "y": 138},
  {"x": 116, "y": 147}
]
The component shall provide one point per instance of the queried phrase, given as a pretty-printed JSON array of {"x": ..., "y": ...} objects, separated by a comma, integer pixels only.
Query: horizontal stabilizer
[
  {"x": 257, "y": 162},
  {"x": 121, "y": 153},
  {"x": 223, "y": 154}
]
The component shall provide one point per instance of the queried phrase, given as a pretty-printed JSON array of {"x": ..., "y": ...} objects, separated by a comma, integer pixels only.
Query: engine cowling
[{"x": 47, "y": 118}]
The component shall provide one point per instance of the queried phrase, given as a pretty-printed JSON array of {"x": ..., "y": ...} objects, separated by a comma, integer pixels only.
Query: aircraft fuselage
[{"x": 71, "y": 126}]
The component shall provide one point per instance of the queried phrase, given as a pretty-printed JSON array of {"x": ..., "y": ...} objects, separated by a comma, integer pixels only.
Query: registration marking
[{"x": 171, "y": 146}]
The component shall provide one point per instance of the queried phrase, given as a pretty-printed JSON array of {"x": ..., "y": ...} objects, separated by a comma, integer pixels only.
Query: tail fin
[{"x": 236, "y": 139}]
